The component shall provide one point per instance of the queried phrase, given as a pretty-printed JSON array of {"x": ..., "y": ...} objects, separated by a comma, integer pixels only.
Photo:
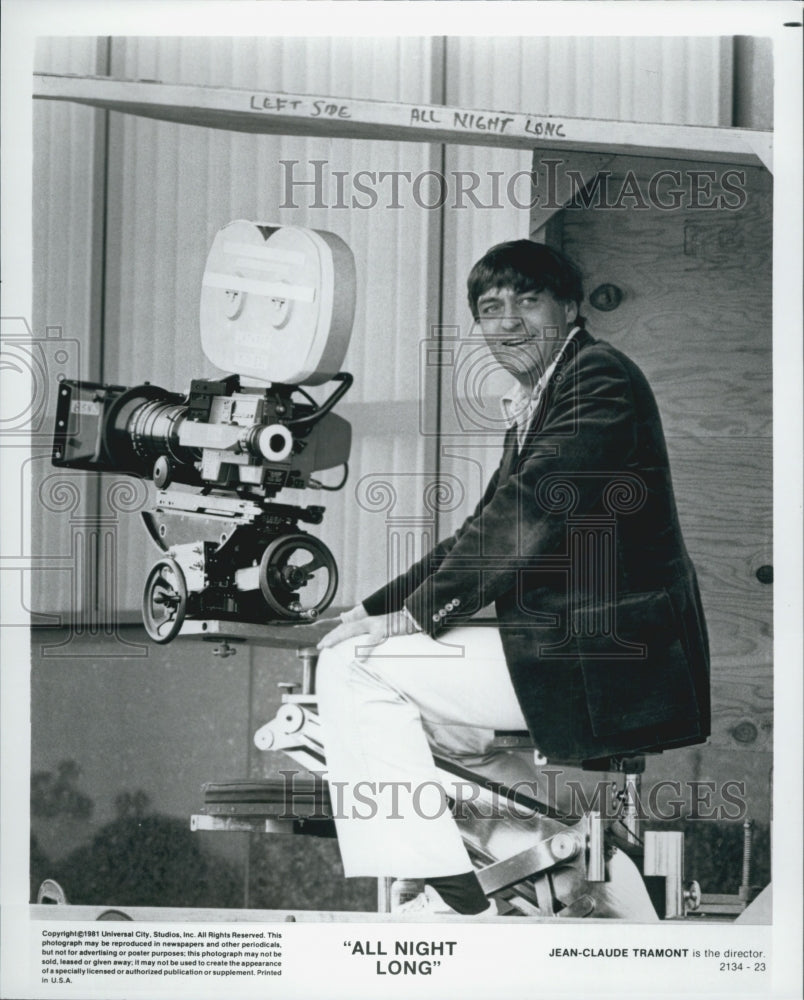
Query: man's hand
[
  {"x": 348, "y": 619},
  {"x": 372, "y": 629}
]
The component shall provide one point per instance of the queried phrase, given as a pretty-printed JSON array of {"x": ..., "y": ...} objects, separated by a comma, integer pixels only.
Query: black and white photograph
[{"x": 401, "y": 499}]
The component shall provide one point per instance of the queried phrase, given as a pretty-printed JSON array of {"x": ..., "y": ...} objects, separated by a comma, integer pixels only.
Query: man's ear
[{"x": 571, "y": 311}]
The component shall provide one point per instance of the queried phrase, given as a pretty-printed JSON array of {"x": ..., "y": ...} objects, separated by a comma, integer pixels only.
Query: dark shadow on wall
[
  {"x": 139, "y": 859},
  {"x": 713, "y": 854},
  {"x": 301, "y": 872},
  {"x": 58, "y": 795},
  {"x": 143, "y": 858}
]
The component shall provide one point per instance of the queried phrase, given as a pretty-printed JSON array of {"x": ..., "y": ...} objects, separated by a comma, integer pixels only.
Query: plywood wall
[{"x": 696, "y": 315}]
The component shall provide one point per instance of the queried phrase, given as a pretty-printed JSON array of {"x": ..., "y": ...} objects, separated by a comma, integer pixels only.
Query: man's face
[{"x": 523, "y": 329}]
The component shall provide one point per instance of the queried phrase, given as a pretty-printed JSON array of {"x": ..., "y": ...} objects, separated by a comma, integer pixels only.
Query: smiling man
[{"x": 600, "y": 643}]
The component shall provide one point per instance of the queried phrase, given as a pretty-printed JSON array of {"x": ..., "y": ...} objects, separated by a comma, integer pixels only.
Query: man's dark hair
[{"x": 525, "y": 266}]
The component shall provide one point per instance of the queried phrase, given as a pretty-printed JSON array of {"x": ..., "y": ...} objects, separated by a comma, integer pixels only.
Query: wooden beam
[{"x": 266, "y": 112}]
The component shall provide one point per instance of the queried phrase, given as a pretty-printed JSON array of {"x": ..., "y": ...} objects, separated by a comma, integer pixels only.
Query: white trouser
[{"x": 381, "y": 712}]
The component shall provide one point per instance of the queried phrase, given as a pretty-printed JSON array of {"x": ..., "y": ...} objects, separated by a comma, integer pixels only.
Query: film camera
[{"x": 277, "y": 306}]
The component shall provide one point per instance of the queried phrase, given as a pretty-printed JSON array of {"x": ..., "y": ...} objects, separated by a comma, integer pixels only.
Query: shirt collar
[{"x": 517, "y": 401}]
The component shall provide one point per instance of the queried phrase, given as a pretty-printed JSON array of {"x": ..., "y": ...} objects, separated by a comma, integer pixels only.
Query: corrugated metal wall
[
  {"x": 64, "y": 256},
  {"x": 171, "y": 187}
]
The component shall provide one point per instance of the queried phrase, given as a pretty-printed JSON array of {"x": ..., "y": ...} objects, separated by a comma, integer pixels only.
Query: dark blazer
[{"x": 577, "y": 542}]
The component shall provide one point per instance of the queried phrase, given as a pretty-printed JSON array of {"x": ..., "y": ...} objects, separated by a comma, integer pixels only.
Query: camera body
[{"x": 277, "y": 306}]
